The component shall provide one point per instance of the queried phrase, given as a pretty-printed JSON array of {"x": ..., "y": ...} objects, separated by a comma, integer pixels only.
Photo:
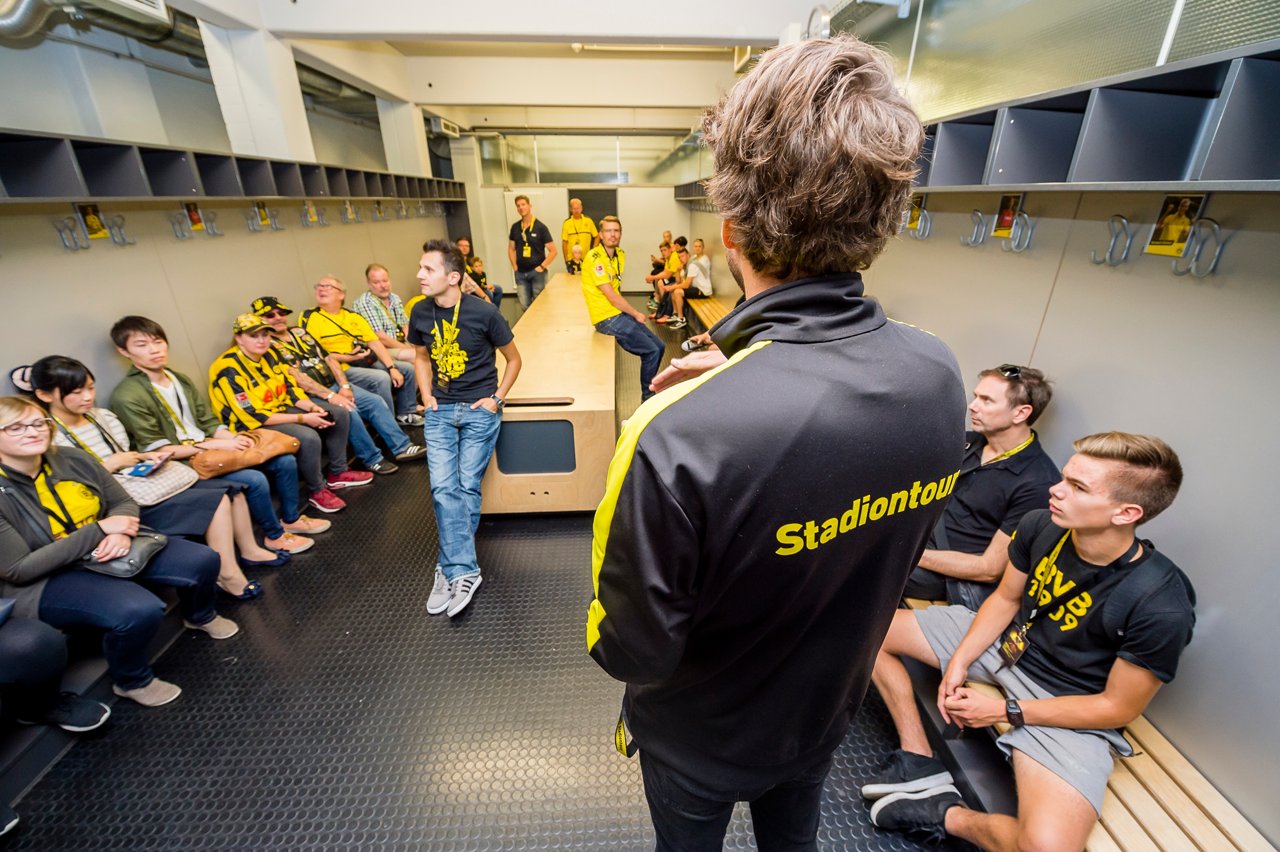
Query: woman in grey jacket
[{"x": 59, "y": 506}]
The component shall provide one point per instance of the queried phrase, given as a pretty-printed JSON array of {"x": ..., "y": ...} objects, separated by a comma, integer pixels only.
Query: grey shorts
[{"x": 1082, "y": 758}]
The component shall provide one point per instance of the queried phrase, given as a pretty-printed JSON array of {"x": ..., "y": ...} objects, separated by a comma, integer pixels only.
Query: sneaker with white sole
[
  {"x": 921, "y": 815},
  {"x": 8, "y": 819},
  {"x": 326, "y": 501},
  {"x": 462, "y": 590},
  {"x": 383, "y": 468},
  {"x": 306, "y": 526},
  {"x": 677, "y": 322},
  {"x": 907, "y": 772},
  {"x": 72, "y": 713},
  {"x": 154, "y": 694},
  {"x": 217, "y": 627},
  {"x": 410, "y": 419},
  {"x": 349, "y": 479},
  {"x": 414, "y": 452},
  {"x": 441, "y": 594}
]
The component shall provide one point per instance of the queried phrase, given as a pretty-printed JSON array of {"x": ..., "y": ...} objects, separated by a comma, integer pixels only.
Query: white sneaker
[
  {"x": 441, "y": 594},
  {"x": 463, "y": 589}
]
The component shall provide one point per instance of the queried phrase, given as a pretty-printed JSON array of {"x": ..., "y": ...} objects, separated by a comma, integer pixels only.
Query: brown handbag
[{"x": 267, "y": 444}]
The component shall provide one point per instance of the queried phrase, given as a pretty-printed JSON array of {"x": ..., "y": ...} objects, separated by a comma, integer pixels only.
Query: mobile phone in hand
[{"x": 142, "y": 468}]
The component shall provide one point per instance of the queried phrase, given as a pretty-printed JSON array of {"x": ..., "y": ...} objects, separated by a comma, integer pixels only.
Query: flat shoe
[
  {"x": 282, "y": 557},
  {"x": 251, "y": 590}
]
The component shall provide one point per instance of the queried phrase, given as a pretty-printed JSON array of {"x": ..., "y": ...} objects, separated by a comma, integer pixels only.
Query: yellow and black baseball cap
[
  {"x": 267, "y": 304},
  {"x": 248, "y": 324}
]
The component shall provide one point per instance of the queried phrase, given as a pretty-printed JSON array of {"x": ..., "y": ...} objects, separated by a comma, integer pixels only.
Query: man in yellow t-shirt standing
[
  {"x": 609, "y": 312},
  {"x": 577, "y": 230}
]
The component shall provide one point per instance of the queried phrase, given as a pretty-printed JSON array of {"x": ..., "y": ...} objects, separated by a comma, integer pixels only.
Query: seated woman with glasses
[
  {"x": 59, "y": 509},
  {"x": 206, "y": 509},
  {"x": 250, "y": 388}
]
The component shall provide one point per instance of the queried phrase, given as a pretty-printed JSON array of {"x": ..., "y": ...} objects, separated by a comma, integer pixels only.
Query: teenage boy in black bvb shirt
[{"x": 1087, "y": 624}]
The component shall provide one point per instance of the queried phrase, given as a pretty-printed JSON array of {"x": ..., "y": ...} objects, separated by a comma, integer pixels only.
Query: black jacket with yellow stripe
[{"x": 758, "y": 527}]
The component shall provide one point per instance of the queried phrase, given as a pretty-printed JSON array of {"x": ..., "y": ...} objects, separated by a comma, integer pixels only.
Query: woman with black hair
[{"x": 213, "y": 509}]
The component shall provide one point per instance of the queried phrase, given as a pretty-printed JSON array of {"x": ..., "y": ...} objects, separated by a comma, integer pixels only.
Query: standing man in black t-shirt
[
  {"x": 530, "y": 248},
  {"x": 1086, "y": 625},
  {"x": 1006, "y": 473},
  {"x": 457, "y": 374}
]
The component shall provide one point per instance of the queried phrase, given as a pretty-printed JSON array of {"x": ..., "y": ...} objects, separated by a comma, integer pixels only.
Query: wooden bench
[
  {"x": 1155, "y": 799},
  {"x": 560, "y": 411},
  {"x": 710, "y": 310}
]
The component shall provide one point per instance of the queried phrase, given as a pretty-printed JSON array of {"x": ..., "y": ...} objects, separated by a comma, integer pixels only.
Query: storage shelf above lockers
[
  {"x": 1208, "y": 124},
  {"x": 38, "y": 168}
]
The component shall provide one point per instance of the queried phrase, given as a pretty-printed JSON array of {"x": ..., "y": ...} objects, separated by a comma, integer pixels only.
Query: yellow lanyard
[
  {"x": 524, "y": 235},
  {"x": 613, "y": 264},
  {"x": 399, "y": 333},
  {"x": 173, "y": 415},
  {"x": 1014, "y": 452},
  {"x": 66, "y": 430}
]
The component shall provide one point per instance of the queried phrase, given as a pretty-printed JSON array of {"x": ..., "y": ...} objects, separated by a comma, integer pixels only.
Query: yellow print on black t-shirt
[
  {"x": 450, "y": 358},
  {"x": 1048, "y": 585}
]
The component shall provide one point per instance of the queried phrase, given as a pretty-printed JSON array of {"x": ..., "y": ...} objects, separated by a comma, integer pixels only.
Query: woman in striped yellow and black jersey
[{"x": 249, "y": 388}]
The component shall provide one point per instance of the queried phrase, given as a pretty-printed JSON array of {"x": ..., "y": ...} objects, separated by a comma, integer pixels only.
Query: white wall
[
  {"x": 189, "y": 112},
  {"x": 645, "y": 213},
  {"x": 341, "y": 142}
]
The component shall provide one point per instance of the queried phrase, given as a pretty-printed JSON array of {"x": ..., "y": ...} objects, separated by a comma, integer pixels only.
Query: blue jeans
[
  {"x": 529, "y": 285},
  {"x": 283, "y": 471},
  {"x": 496, "y": 296},
  {"x": 374, "y": 412},
  {"x": 378, "y": 380},
  {"x": 32, "y": 657},
  {"x": 129, "y": 613},
  {"x": 689, "y": 817},
  {"x": 637, "y": 339},
  {"x": 459, "y": 441}
]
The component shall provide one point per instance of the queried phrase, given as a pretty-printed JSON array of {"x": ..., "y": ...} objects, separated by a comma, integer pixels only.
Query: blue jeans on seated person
[
  {"x": 496, "y": 296},
  {"x": 283, "y": 473},
  {"x": 460, "y": 442},
  {"x": 689, "y": 817},
  {"x": 529, "y": 285},
  {"x": 378, "y": 380},
  {"x": 32, "y": 657},
  {"x": 128, "y": 612},
  {"x": 637, "y": 339},
  {"x": 374, "y": 412}
]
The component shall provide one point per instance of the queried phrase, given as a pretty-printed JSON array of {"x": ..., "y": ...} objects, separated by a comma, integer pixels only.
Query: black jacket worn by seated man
[{"x": 759, "y": 523}]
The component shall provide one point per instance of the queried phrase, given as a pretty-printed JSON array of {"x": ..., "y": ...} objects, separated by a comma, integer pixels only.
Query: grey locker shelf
[
  {"x": 37, "y": 167},
  {"x": 315, "y": 183},
  {"x": 338, "y": 186},
  {"x": 960, "y": 153},
  {"x": 256, "y": 177},
  {"x": 1032, "y": 146},
  {"x": 402, "y": 186},
  {"x": 288, "y": 179},
  {"x": 110, "y": 169},
  {"x": 219, "y": 175},
  {"x": 1242, "y": 139},
  {"x": 1130, "y": 135},
  {"x": 356, "y": 186},
  {"x": 924, "y": 162},
  {"x": 170, "y": 172}
]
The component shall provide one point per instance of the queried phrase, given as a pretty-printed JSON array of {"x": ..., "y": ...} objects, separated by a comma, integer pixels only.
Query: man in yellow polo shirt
[
  {"x": 609, "y": 312},
  {"x": 350, "y": 339},
  {"x": 577, "y": 230}
]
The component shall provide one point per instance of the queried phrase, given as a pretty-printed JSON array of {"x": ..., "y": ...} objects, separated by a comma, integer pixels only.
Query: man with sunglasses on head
[{"x": 1006, "y": 473}]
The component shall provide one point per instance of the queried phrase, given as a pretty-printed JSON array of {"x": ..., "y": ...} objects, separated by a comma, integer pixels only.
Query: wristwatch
[
  {"x": 1014, "y": 712},
  {"x": 501, "y": 402}
]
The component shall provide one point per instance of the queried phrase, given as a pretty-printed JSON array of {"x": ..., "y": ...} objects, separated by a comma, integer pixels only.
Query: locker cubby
[
  {"x": 288, "y": 179},
  {"x": 111, "y": 170},
  {"x": 171, "y": 172},
  {"x": 1242, "y": 140},
  {"x": 925, "y": 161},
  {"x": 39, "y": 167},
  {"x": 1138, "y": 136},
  {"x": 960, "y": 151},
  {"x": 1032, "y": 146},
  {"x": 256, "y": 177},
  {"x": 356, "y": 185},
  {"x": 315, "y": 184},
  {"x": 219, "y": 175},
  {"x": 402, "y": 186},
  {"x": 338, "y": 186}
]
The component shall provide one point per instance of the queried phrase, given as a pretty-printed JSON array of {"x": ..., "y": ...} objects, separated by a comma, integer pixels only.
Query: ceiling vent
[{"x": 444, "y": 127}]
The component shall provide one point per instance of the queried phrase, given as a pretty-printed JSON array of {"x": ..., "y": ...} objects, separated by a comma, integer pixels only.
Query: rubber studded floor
[{"x": 344, "y": 717}]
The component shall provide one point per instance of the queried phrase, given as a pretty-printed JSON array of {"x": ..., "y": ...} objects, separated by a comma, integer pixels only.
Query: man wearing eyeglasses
[{"x": 1006, "y": 473}]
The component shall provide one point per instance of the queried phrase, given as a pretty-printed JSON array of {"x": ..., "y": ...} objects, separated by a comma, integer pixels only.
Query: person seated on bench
[
  {"x": 475, "y": 271},
  {"x": 1006, "y": 473},
  {"x": 204, "y": 509},
  {"x": 163, "y": 412},
  {"x": 319, "y": 375},
  {"x": 32, "y": 657},
  {"x": 573, "y": 264},
  {"x": 367, "y": 362},
  {"x": 664, "y": 270},
  {"x": 384, "y": 311},
  {"x": 250, "y": 388},
  {"x": 699, "y": 272},
  {"x": 59, "y": 506},
  {"x": 1087, "y": 623}
]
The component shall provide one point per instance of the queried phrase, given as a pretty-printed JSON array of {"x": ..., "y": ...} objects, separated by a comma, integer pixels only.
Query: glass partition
[{"x": 590, "y": 158}]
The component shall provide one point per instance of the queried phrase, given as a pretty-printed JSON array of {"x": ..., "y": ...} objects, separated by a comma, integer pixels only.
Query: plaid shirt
[{"x": 383, "y": 319}]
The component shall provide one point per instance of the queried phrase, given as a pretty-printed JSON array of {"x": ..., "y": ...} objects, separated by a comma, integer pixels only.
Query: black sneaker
[
  {"x": 907, "y": 772},
  {"x": 73, "y": 713},
  {"x": 922, "y": 815},
  {"x": 383, "y": 468},
  {"x": 8, "y": 819}
]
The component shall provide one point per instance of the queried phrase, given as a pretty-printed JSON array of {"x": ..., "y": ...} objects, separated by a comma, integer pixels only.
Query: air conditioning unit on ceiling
[
  {"x": 444, "y": 127},
  {"x": 143, "y": 11}
]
